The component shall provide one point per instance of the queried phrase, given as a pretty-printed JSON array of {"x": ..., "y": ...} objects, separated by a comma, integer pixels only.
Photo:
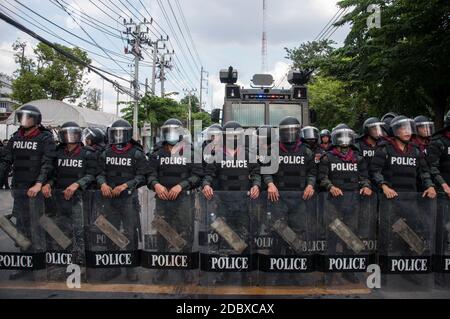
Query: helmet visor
[
  {"x": 343, "y": 137},
  {"x": 310, "y": 133},
  {"x": 70, "y": 135},
  {"x": 289, "y": 133},
  {"x": 172, "y": 134},
  {"x": 119, "y": 135},
  {"x": 26, "y": 118},
  {"x": 425, "y": 129},
  {"x": 403, "y": 129},
  {"x": 375, "y": 130}
]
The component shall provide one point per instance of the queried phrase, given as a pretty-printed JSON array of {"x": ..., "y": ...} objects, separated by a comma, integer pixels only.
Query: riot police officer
[
  {"x": 343, "y": 173},
  {"x": 370, "y": 139},
  {"x": 122, "y": 170},
  {"x": 425, "y": 129},
  {"x": 74, "y": 170},
  {"x": 235, "y": 173},
  {"x": 94, "y": 138},
  {"x": 212, "y": 139},
  {"x": 310, "y": 136},
  {"x": 439, "y": 156},
  {"x": 386, "y": 119},
  {"x": 30, "y": 152},
  {"x": 174, "y": 175},
  {"x": 397, "y": 165},
  {"x": 325, "y": 139},
  {"x": 342, "y": 168}
]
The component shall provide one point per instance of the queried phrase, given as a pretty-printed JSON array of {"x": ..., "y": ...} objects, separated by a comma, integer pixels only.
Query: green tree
[
  {"x": 310, "y": 56},
  {"x": 194, "y": 103},
  {"x": 49, "y": 75},
  {"x": 404, "y": 65}
]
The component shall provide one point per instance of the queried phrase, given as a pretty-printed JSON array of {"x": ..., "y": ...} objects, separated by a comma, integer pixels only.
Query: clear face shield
[
  {"x": 172, "y": 134},
  {"x": 25, "y": 118},
  {"x": 212, "y": 136},
  {"x": 425, "y": 129},
  {"x": 376, "y": 130},
  {"x": 343, "y": 137},
  {"x": 87, "y": 136},
  {"x": 289, "y": 133},
  {"x": 404, "y": 129},
  {"x": 119, "y": 135},
  {"x": 69, "y": 135}
]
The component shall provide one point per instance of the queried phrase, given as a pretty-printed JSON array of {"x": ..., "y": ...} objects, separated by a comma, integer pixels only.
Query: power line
[
  {"x": 328, "y": 23},
  {"x": 62, "y": 51},
  {"x": 189, "y": 31}
]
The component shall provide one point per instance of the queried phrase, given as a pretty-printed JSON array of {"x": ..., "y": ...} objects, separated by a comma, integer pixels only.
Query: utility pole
[
  {"x": 156, "y": 48},
  {"x": 136, "y": 38},
  {"x": 164, "y": 63},
  {"x": 117, "y": 103},
  {"x": 189, "y": 92},
  {"x": 201, "y": 85}
]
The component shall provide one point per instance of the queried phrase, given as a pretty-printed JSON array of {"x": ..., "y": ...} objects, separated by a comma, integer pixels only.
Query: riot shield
[
  {"x": 22, "y": 241},
  {"x": 441, "y": 260},
  {"x": 63, "y": 223},
  {"x": 113, "y": 254},
  {"x": 406, "y": 242},
  {"x": 349, "y": 225},
  {"x": 168, "y": 255},
  {"x": 226, "y": 256},
  {"x": 286, "y": 242}
]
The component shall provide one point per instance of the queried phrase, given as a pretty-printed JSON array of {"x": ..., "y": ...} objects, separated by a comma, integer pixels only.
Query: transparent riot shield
[
  {"x": 63, "y": 224},
  {"x": 113, "y": 248},
  {"x": 226, "y": 256},
  {"x": 406, "y": 242},
  {"x": 441, "y": 261},
  {"x": 349, "y": 224},
  {"x": 168, "y": 255},
  {"x": 286, "y": 242},
  {"x": 22, "y": 241}
]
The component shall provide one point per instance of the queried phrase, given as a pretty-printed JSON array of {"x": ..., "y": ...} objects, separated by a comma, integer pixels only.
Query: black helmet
[
  {"x": 120, "y": 132},
  {"x": 172, "y": 131},
  {"x": 310, "y": 133},
  {"x": 374, "y": 128},
  {"x": 70, "y": 133},
  {"x": 388, "y": 117},
  {"x": 343, "y": 137},
  {"x": 28, "y": 116},
  {"x": 447, "y": 119},
  {"x": 325, "y": 132},
  {"x": 94, "y": 134},
  {"x": 289, "y": 129},
  {"x": 339, "y": 126},
  {"x": 401, "y": 124},
  {"x": 424, "y": 126}
]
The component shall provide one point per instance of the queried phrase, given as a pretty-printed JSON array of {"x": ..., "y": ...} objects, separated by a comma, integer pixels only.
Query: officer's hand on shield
[
  {"x": 365, "y": 191},
  {"x": 208, "y": 192},
  {"x": 119, "y": 189},
  {"x": 446, "y": 189},
  {"x": 308, "y": 192},
  {"x": 47, "y": 191},
  {"x": 430, "y": 192},
  {"x": 254, "y": 192},
  {"x": 106, "y": 190},
  {"x": 389, "y": 192},
  {"x": 272, "y": 192},
  {"x": 69, "y": 191},
  {"x": 161, "y": 192},
  {"x": 174, "y": 192},
  {"x": 336, "y": 191},
  {"x": 33, "y": 191}
]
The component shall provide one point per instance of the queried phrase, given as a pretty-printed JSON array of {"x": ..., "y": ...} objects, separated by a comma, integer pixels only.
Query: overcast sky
[{"x": 225, "y": 32}]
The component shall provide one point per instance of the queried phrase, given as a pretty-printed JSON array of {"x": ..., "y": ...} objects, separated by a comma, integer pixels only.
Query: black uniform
[
  {"x": 170, "y": 170},
  {"x": 128, "y": 165},
  {"x": 367, "y": 151},
  {"x": 439, "y": 157},
  {"x": 32, "y": 160},
  {"x": 78, "y": 166}
]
